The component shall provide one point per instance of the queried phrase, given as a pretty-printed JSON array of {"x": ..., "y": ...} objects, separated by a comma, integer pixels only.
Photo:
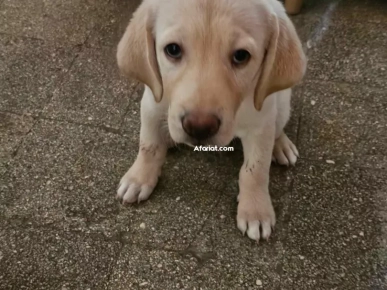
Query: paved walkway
[{"x": 69, "y": 130}]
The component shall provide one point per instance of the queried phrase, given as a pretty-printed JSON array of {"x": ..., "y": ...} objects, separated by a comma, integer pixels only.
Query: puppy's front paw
[
  {"x": 256, "y": 215},
  {"x": 138, "y": 183},
  {"x": 285, "y": 152}
]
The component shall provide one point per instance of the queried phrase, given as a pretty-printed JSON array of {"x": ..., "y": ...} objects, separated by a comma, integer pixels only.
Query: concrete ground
[{"x": 69, "y": 129}]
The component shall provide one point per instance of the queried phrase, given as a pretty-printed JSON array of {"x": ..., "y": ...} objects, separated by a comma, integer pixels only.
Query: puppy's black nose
[{"x": 200, "y": 125}]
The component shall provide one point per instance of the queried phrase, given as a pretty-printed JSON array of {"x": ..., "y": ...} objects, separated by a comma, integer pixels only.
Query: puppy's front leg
[
  {"x": 140, "y": 180},
  {"x": 255, "y": 210}
]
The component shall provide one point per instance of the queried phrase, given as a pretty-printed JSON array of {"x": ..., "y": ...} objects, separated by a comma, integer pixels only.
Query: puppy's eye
[
  {"x": 241, "y": 56},
  {"x": 173, "y": 50}
]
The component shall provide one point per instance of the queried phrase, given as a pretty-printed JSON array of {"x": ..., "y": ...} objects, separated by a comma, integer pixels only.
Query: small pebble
[
  {"x": 313, "y": 103},
  {"x": 178, "y": 198},
  {"x": 222, "y": 216},
  {"x": 258, "y": 282},
  {"x": 142, "y": 226},
  {"x": 90, "y": 118},
  {"x": 301, "y": 257},
  {"x": 330, "y": 161},
  {"x": 361, "y": 234},
  {"x": 144, "y": 284},
  {"x": 159, "y": 266}
]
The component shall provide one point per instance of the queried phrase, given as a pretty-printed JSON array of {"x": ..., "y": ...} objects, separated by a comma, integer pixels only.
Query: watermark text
[{"x": 213, "y": 148}]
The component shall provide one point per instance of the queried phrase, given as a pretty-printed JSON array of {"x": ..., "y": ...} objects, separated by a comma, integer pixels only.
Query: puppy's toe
[
  {"x": 266, "y": 229},
  {"x": 253, "y": 232},
  {"x": 145, "y": 192},
  {"x": 131, "y": 193},
  {"x": 122, "y": 188},
  {"x": 242, "y": 225}
]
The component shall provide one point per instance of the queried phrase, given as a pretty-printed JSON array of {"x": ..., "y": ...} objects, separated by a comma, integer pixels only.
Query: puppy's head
[{"x": 205, "y": 57}]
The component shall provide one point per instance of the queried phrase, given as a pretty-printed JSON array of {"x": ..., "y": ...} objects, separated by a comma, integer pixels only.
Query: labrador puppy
[{"x": 214, "y": 70}]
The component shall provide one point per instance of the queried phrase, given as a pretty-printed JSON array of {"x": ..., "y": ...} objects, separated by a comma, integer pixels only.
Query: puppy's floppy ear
[
  {"x": 136, "y": 55},
  {"x": 284, "y": 64}
]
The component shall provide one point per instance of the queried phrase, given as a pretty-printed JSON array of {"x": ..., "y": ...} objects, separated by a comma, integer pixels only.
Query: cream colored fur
[{"x": 253, "y": 101}]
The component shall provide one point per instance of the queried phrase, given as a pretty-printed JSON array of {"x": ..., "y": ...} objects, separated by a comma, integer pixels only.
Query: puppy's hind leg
[
  {"x": 284, "y": 151},
  {"x": 140, "y": 180}
]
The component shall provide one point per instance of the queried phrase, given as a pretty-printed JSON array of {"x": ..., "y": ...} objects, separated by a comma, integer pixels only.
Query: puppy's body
[{"x": 214, "y": 70}]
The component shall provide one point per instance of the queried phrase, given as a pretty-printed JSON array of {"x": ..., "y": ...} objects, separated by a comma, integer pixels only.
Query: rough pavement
[{"x": 69, "y": 129}]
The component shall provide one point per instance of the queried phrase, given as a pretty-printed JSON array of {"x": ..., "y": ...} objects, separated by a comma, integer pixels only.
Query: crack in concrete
[{"x": 321, "y": 29}]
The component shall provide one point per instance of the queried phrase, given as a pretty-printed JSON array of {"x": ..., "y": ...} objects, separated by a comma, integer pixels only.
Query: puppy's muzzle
[{"x": 200, "y": 126}]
